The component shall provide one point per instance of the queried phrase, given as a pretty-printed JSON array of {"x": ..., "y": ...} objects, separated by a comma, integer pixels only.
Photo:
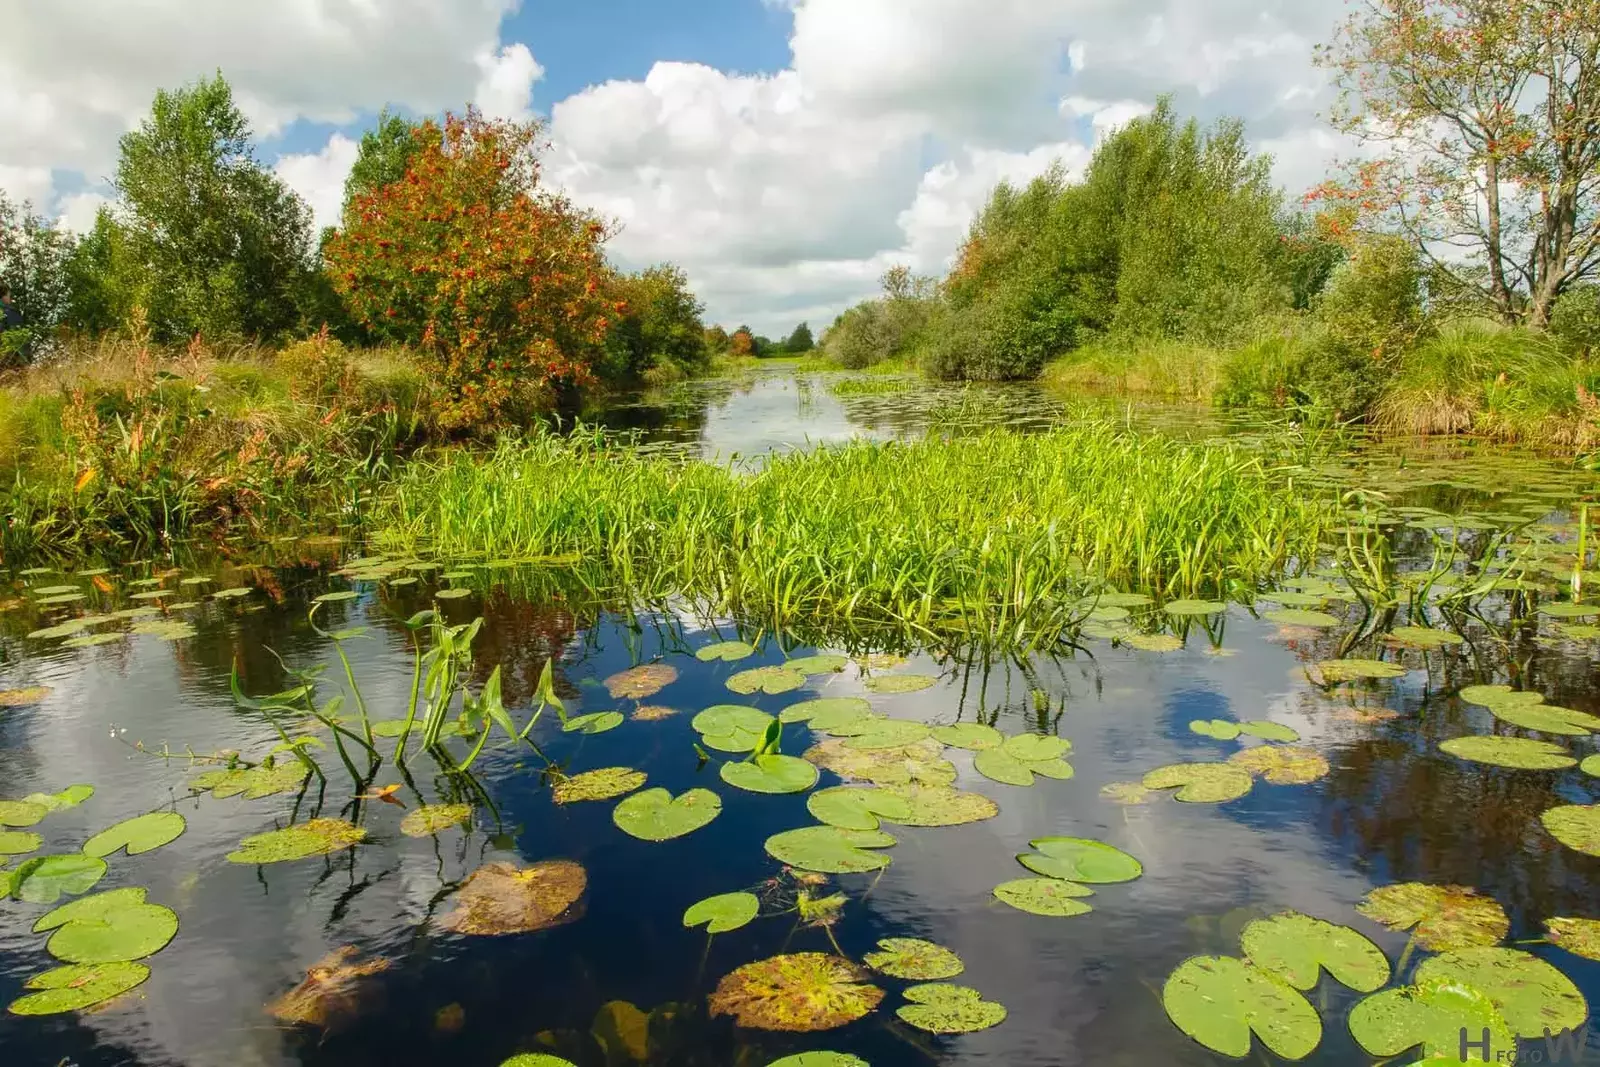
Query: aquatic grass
[
  {"x": 990, "y": 537},
  {"x": 1167, "y": 369}
]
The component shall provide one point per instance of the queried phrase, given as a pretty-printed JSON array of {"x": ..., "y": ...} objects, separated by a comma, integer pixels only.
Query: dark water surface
[{"x": 1082, "y": 990}]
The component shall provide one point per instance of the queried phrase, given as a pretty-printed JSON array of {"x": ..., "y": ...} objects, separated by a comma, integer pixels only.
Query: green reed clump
[{"x": 992, "y": 536}]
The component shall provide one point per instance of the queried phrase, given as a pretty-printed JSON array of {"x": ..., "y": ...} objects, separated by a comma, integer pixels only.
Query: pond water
[{"x": 140, "y": 716}]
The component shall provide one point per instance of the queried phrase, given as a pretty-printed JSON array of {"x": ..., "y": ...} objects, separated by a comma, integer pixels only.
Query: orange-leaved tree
[{"x": 498, "y": 282}]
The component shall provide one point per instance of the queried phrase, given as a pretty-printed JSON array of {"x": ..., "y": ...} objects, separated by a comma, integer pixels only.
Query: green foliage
[
  {"x": 658, "y": 335},
  {"x": 892, "y": 327},
  {"x": 102, "y": 277},
  {"x": 34, "y": 256},
  {"x": 385, "y": 152},
  {"x": 800, "y": 341},
  {"x": 1576, "y": 320}
]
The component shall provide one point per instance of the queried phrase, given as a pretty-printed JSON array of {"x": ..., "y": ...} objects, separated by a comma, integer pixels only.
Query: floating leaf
[
  {"x": 318, "y": 837},
  {"x": 802, "y": 991},
  {"x": 1281, "y": 764},
  {"x": 1267, "y": 730},
  {"x": 820, "y": 1059},
  {"x": 1044, "y": 896},
  {"x": 770, "y": 680},
  {"x": 1566, "y": 610},
  {"x": 1575, "y": 825},
  {"x": 1201, "y": 783},
  {"x": 732, "y": 727},
  {"x": 1433, "y": 1015},
  {"x": 114, "y": 927},
  {"x": 1154, "y": 642},
  {"x": 25, "y": 697},
  {"x": 1037, "y": 748},
  {"x": 253, "y": 783},
  {"x": 1335, "y": 671},
  {"x": 726, "y": 651},
  {"x": 818, "y": 664},
  {"x": 1318, "y": 620},
  {"x": 336, "y": 597},
  {"x": 1546, "y": 718},
  {"x": 973, "y": 736},
  {"x": 1220, "y": 1001},
  {"x": 431, "y": 819},
  {"x": 771, "y": 773},
  {"x": 1079, "y": 859},
  {"x": 455, "y": 592},
  {"x": 1515, "y": 752},
  {"x": 607, "y": 783},
  {"x": 1126, "y": 793},
  {"x": 330, "y": 995},
  {"x": 941, "y": 806},
  {"x": 1216, "y": 729},
  {"x": 919, "y": 764},
  {"x": 656, "y": 815},
  {"x": 914, "y": 959},
  {"x": 597, "y": 722},
  {"x": 78, "y": 986},
  {"x": 1292, "y": 599},
  {"x": 940, "y": 1008},
  {"x": 830, "y": 850},
  {"x": 887, "y": 733},
  {"x": 537, "y": 1059},
  {"x": 21, "y": 812},
  {"x": 645, "y": 680},
  {"x": 145, "y": 833},
  {"x": 898, "y": 683},
  {"x": 723, "y": 913},
  {"x": 855, "y": 807},
  {"x": 623, "y": 1031},
  {"x": 1424, "y": 637},
  {"x": 1590, "y": 766},
  {"x": 999, "y": 765},
  {"x": 653, "y": 712},
  {"x": 1444, "y": 916},
  {"x": 1184, "y": 608},
  {"x": 94, "y": 640},
  {"x": 1532, "y": 996},
  {"x": 502, "y": 898},
  {"x": 827, "y": 713},
  {"x": 17, "y": 842},
  {"x": 1489, "y": 696},
  {"x": 1296, "y": 947},
  {"x": 43, "y": 879}
]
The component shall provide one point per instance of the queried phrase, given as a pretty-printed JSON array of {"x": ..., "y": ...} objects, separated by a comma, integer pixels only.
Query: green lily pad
[
  {"x": 826, "y": 713},
  {"x": 231, "y": 594},
  {"x": 887, "y": 733},
  {"x": 94, "y": 640},
  {"x": 999, "y": 765},
  {"x": 153, "y": 594},
  {"x": 114, "y": 927},
  {"x": 770, "y": 680},
  {"x": 65, "y": 629},
  {"x": 1044, "y": 896},
  {"x": 920, "y": 764},
  {"x": 607, "y": 783},
  {"x": 940, "y": 1008},
  {"x": 141, "y": 834},
  {"x": 1581, "y": 937},
  {"x": 820, "y": 1059},
  {"x": 1444, "y": 916},
  {"x": 43, "y": 879},
  {"x": 318, "y": 837},
  {"x": 771, "y": 773},
  {"x": 1546, "y": 718},
  {"x": 1294, "y": 599},
  {"x": 656, "y": 815},
  {"x": 1590, "y": 766},
  {"x": 723, "y": 913},
  {"x": 856, "y": 807},
  {"x": 1281, "y": 764},
  {"x": 164, "y": 629},
  {"x": 972, "y": 736},
  {"x": 1424, "y": 637},
  {"x": 597, "y": 722},
  {"x": 1201, "y": 783},
  {"x": 1433, "y": 1015},
  {"x": 1220, "y": 1001},
  {"x": 336, "y": 597},
  {"x": 1575, "y": 825},
  {"x": 455, "y": 592},
  {"x": 253, "y": 783},
  {"x": 1489, "y": 696},
  {"x": 803, "y": 991},
  {"x": 914, "y": 959},
  {"x": 18, "y": 842},
  {"x": 1186, "y": 608},
  {"x": 1216, "y": 729},
  {"x": 1562, "y": 609},
  {"x": 932, "y": 805},
  {"x": 1319, "y": 620},
  {"x": 21, "y": 812},
  {"x": 732, "y": 727},
  {"x": 1154, "y": 642},
  {"x": 1296, "y": 947},
  {"x": 1532, "y": 996},
  {"x": 1335, "y": 671},
  {"x": 61, "y": 598},
  {"x": 818, "y": 664},
  {"x": 1267, "y": 730},
  {"x": 830, "y": 850},
  {"x": 78, "y": 986},
  {"x": 898, "y": 683},
  {"x": 726, "y": 651},
  {"x": 55, "y": 590},
  {"x": 1079, "y": 859},
  {"x": 1036, "y": 748},
  {"x": 1515, "y": 752},
  {"x": 431, "y": 819}
]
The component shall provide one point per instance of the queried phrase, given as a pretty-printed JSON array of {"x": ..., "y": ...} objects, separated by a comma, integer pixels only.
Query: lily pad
[
  {"x": 1575, "y": 825},
  {"x": 336, "y": 597},
  {"x": 856, "y": 807},
  {"x": 43, "y": 879},
  {"x": 502, "y": 898},
  {"x": 455, "y": 592},
  {"x": 771, "y": 773},
  {"x": 1489, "y": 696},
  {"x": 253, "y": 783},
  {"x": 1220, "y": 1001},
  {"x": 1563, "y": 609},
  {"x": 1581, "y": 937},
  {"x": 1424, "y": 637},
  {"x": 1317, "y": 620},
  {"x": 537, "y": 1059},
  {"x": 802, "y": 991},
  {"x": 78, "y": 986},
  {"x": 114, "y": 927},
  {"x": 1515, "y": 752},
  {"x": 645, "y": 680},
  {"x": 94, "y": 640},
  {"x": 1154, "y": 642},
  {"x": 820, "y": 1059},
  {"x": 940, "y": 1008},
  {"x": 771, "y": 680},
  {"x": 723, "y": 913},
  {"x": 1294, "y": 599},
  {"x": 1216, "y": 729},
  {"x": 914, "y": 959},
  {"x": 596, "y": 722},
  {"x": 818, "y": 664},
  {"x": 972, "y": 736},
  {"x": 932, "y": 805},
  {"x": 1282, "y": 764},
  {"x": 1444, "y": 916},
  {"x": 898, "y": 683},
  {"x": 887, "y": 733},
  {"x": 141, "y": 834},
  {"x": 1532, "y": 996},
  {"x": 1296, "y": 948},
  {"x": 999, "y": 765},
  {"x": 918, "y": 764},
  {"x": 1431, "y": 1014},
  {"x": 1268, "y": 730},
  {"x": 1201, "y": 783},
  {"x": 431, "y": 819},
  {"x": 1546, "y": 718},
  {"x": 656, "y": 815},
  {"x": 725, "y": 651},
  {"x": 21, "y": 812},
  {"x": 1335, "y": 671},
  {"x": 653, "y": 712},
  {"x": 826, "y": 713},
  {"x": 1079, "y": 859},
  {"x": 24, "y": 697},
  {"x": 1186, "y": 608},
  {"x": 830, "y": 850},
  {"x": 1127, "y": 794},
  {"x": 607, "y": 783},
  {"x": 732, "y": 727},
  {"x": 18, "y": 842},
  {"x": 318, "y": 837},
  {"x": 1044, "y": 896},
  {"x": 1590, "y": 766},
  {"x": 231, "y": 594},
  {"x": 331, "y": 994}
]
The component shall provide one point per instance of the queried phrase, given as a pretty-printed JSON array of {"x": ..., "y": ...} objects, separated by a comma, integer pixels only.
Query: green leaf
[
  {"x": 1444, "y": 916},
  {"x": 336, "y": 597},
  {"x": 253, "y": 783},
  {"x": 1220, "y": 1001},
  {"x": 941, "y": 806},
  {"x": 1433, "y": 1015},
  {"x": 43, "y": 879},
  {"x": 972, "y": 736},
  {"x": 887, "y": 733},
  {"x": 1079, "y": 859},
  {"x": 144, "y": 833},
  {"x": 1489, "y": 696},
  {"x": 1335, "y": 671},
  {"x": 114, "y": 927},
  {"x": 656, "y": 815},
  {"x": 1530, "y": 995},
  {"x": 1320, "y": 620},
  {"x": 1546, "y": 718},
  {"x": 21, "y": 813},
  {"x": 723, "y": 913},
  {"x": 820, "y": 1059},
  {"x": 1184, "y": 608},
  {"x": 1267, "y": 730},
  {"x": 830, "y": 850},
  {"x": 1423, "y": 637},
  {"x": 827, "y": 713},
  {"x": 597, "y": 722},
  {"x": 1216, "y": 729},
  {"x": 915, "y": 959},
  {"x": 607, "y": 783},
  {"x": 999, "y": 765},
  {"x": 1201, "y": 783},
  {"x": 940, "y": 1008},
  {"x": 1296, "y": 947},
  {"x": 1515, "y": 752},
  {"x": 819, "y": 664},
  {"x": 771, "y": 680},
  {"x": 1045, "y": 896},
  {"x": 432, "y": 819},
  {"x": 732, "y": 727},
  {"x": 725, "y": 651},
  {"x": 537, "y": 1059},
  {"x": 77, "y": 987},
  {"x": 856, "y": 807},
  {"x": 318, "y": 837},
  {"x": 771, "y": 774},
  {"x": 898, "y": 683},
  {"x": 1575, "y": 825},
  {"x": 17, "y": 842}
]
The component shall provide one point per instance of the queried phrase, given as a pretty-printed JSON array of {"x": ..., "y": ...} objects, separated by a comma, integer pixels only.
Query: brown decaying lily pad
[
  {"x": 920, "y": 763},
  {"x": 801, "y": 991},
  {"x": 653, "y": 712},
  {"x": 645, "y": 680},
  {"x": 1282, "y": 764},
  {"x": 331, "y": 994},
  {"x": 502, "y": 898},
  {"x": 1446, "y": 917}
]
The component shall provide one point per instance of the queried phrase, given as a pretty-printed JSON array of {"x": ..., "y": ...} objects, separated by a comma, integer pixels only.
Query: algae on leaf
[
  {"x": 1220, "y": 1001},
  {"x": 898, "y": 683},
  {"x": 1281, "y": 764},
  {"x": 318, "y": 837},
  {"x": 645, "y": 680},
  {"x": 1444, "y": 916},
  {"x": 770, "y": 680},
  {"x": 940, "y": 1008},
  {"x": 803, "y": 991},
  {"x": 606, "y": 783},
  {"x": 432, "y": 819},
  {"x": 1581, "y": 937},
  {"x": 913, "y": 958},
  {"x": 1201, "y": 783},
  {"x": 933, "y": 805}
]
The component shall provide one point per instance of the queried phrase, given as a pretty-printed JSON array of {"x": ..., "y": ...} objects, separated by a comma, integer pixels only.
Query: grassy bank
[{"x": 989, "y": 537}]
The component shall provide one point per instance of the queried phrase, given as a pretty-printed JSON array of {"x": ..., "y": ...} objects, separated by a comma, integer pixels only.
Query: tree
[
  {"x": 102, "y": 279},
  {"x": 717, "y": 339},
  {"x": 800, "y": 341},
  {"x": 496, "y": 280},
  {"x": 1485, "y": 117},
  {"x": 33, "y": 263},
  {"x": 221, "y": 245},
  {"x": 385, "y": 152},
  {"x": 658, "y": 327},
  {"x": 742, "y": 342}
]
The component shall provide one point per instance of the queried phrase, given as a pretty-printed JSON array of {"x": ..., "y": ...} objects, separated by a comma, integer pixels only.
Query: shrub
[
  {"x": 1575, "y": 324},
  {"x": 318, "y": 369}
]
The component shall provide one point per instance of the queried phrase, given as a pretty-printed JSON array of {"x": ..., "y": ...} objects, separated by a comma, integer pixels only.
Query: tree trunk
[{"x": 1499, "y": 291}]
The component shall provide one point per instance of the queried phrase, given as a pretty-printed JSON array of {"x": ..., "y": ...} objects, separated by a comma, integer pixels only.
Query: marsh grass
[
  {"x": 986, "y": 538},
  {"x": 1164, "y": 369}
]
